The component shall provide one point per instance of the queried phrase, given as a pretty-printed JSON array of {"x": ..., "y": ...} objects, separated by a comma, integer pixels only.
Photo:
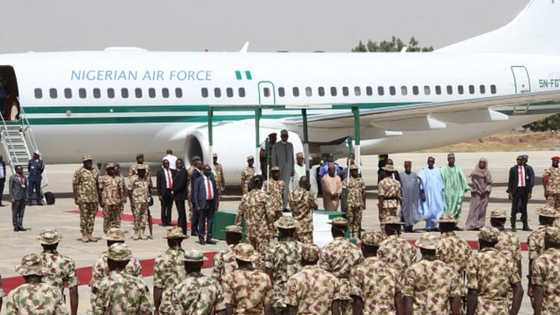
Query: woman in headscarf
[{"x": 481, "y": 186}]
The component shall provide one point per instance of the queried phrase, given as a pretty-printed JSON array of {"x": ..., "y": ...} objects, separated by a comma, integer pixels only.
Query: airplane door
[
  {"x": 267, "y": 93},
  {"x": 522, "y": 84}
]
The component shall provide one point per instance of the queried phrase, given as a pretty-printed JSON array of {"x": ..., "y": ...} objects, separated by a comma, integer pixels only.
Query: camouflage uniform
[
  {"x": 35, "y": 298},
  {"x": 492, "y": 273},
  {"x": 378, "y": 284},
  {"x": 59, "y": 270},
  {"x": 339, "y": 257},
  {"x": 390, "y": 189},
  {"x": 133, "y": 170},
  {"x": 224, "y": 263},
  {"x": 283, "y": 259},
  {"x": 87, "y": 198},
  {"x": 101, "y": 269},
  {"x": 246, "y": 174},
  {"x": 140, "y": 198},
  {"x": 275, "y": 190},
  {"x": 397, "y": 252},
  {"x": 356, "y": 189},
  {"x": 121, "y": 293},
  {"x": 431, "y": 284},
  {"x": 113, "y": 196},
  {"x": 553, "y": 187},
  {"x": 302, "y": 204},
  {"x": 546, "y": 273},
  {"x": 535, "y": 242},
  {"x": 219, "y": 176},
  {"x": 248, "y": 291},
  {"x": 455, "y": 252},
  {"x": 259, "y": 218},
  {"x": 312, "y": 291},
  {"x": 197, "y": 294},
  {"x": 508, "y": 243},
  {"x": 169, "y": 271}
]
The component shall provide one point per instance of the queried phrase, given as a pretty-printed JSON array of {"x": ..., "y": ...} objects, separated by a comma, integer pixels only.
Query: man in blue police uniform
[{"x": 35, "y": 168}]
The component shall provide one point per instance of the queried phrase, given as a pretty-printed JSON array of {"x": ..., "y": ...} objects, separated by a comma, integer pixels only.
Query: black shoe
[
  {"x": 210, "y": 241},
  {"x": 16, "y": 229},
  {"x": 22, "y": 229},
  {"x": 193, "y": 233},
  {"x": 458, "y": 228},
  {"x": 526, "y": 228},
  {"x": 201, "y": 241}
]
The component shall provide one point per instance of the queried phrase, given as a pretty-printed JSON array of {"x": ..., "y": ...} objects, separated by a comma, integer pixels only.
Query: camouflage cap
[
  {"x": 275, "y": 168},
  {"x": 447, "y": 218},
  {"x": 109, "y": 165},
  {"x": 175, "y": 232},
  {"x": 49, "y": 237},
  {"x": 141, "y": 167},
  {"x": 286, "y": 223},
  {"x": 489, "y": 234},
  {"x": 428, "y": 241},
  {"x": 392, "y": 220},
  {"x": 86, "y": 157},
  {"x": 245, "y": 252},
  {"x": 552, "y": 234},
  {"x": 119, "y": 252},
  {"x": 498, "y": 214},
  {"x": 115, "y": 234},
  {"x": 234, "y": 229},
  {"x": 339, "y": 221},
  {"x": 194, "y": 255},
  {"x": 310, "y": 252},
  {"x": 373, "y": 238},
  {"x": 354, "y": 167},
  {"x": 388, "y": 168},
  {"x": 30, "y": 265},
  {"x": 548, "y": 211}
]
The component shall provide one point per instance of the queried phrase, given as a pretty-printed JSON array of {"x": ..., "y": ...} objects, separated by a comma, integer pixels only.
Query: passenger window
[
  {"x": 369, "y": 91},
  {"x": 111, "y": 93},
  {"x": 165, "y": 92},
  {"x": 38, "y": 93},
  {"x": 345, "y": 91},
  {"x": 427, "y": 90},
  {"x": 392, "y": 90},
  {"x": 449, "y": 90},
  {"x": 241, "y": 92},
  {"x": 217, "y": 92},
  {"x": 471, "y": 89},
  {"x": 152, "y": 92},
  {"x": 380, "y": 90},
  {"x": 178, "y": 92},
  {"x": 229, "y": 92},
  {"x": 333, "y": 90},
  {"x": 204, "y": 92},
  {"x": 281, "y": 92},
  {"x": 295, "y": 91},
  {"x": 493, "y": 89},
  {"x": 357, "y": 91},
  {"x": 96, "y": 93},
  {"x": 266, "y": 92},
  {"x": 308, "y": 91},
  {"x": 82, "y": 93},
  {"x": 321, "y": 91},
  {"x": 482, "y": 89},
  {"x": 53, "y": 93},
  {"x": 415, "y": 90},
  {"x": 138, "y": 92},
  {"x": 124, "y": 93},
  {"x": 404, "y": 90},
  {"x": 68, "y": 92},
  {"x": 438, "y": 90},
  {"x": 461, "y": 89}
]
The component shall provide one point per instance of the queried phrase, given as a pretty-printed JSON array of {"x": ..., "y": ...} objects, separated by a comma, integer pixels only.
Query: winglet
[{"x": 244, "y": 48}]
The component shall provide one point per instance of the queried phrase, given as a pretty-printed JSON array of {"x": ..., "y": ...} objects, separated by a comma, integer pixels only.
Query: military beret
[
  {"x": 286, "y": 223},
  {"x": 372, "y": 238},
  {"x": 275, "y": 168},
  {"x": 498, "y": 214},
  {"x": 548, "y": 211},
  {"x": 310, "y": 252},
  {"x": 194, "y": 255},
  {"x": 392, "y": 220},
  {"x": 115, "y": 234},
  {"x": 447, "y": 218},
  {"x": 339, "y": 221},
  {"x": 174, "y": 233},
  {"x": 86, "y": 157},
  {"x": 428, "y": 241},
  {"x": 552, "y": 234},
  {"x": 49, "y": 237},
  {"x": 30, "y": 265},
  {"x": 234, "y": 229},
  {"x": 555, "y": 158},
  {"x": 119, "y": 252},
  {"x": 245, "y": 252},
  {"x": 489, "y": 234}
]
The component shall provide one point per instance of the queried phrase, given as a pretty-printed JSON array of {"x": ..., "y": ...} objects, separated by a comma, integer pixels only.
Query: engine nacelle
[{"x": 233, "y": 142}]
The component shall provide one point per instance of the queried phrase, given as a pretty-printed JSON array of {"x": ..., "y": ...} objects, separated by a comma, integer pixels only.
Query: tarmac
[{"x": 65, "y": 219}]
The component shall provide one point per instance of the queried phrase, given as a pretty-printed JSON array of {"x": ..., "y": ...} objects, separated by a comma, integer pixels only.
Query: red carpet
[{"x": 127, "y": 217}]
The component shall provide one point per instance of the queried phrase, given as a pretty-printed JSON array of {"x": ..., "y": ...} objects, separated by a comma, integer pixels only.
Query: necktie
[
  {"x": 169, "y": 179},
  {"x": 209, "y": 190}
]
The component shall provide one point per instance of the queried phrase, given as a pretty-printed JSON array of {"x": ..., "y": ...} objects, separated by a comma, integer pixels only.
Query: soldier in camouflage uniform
[
  {"x": 282, "y": 260},
  {"x": 489, "y": 274},
  {"x": 197, "y": 294},
  {"x": 139, "y": 191},
  {"x": 86, "y": 197},
  {"x": 132, "y": 170},
  {"x": 247, "y": 291},
  {"x": 551, "y": 183},
  {"x": 255, "y": 210},
  {"x": 59, "y": 270},
  {"x": 219, "y": 175},
  {"x": 168, "y": 267},
  {"x": 120, "y": 292},
  {"x": 34, "y": 296},
  {"x": 313, "y": 290},
  {"x": 302, "y": 204},
  {"x": 398, "y": 253},
  {"x": 246, "y": 174},
  {"x": 546, "y": 275},
  {"x": 224, "y": 261},
  {"x": 274, "y": 186},
  {"x": 508, "y": 242},
  {"x": 430, "y": 286},
  {"x": 122, "y": 183},
  {"x": 356, "y": 200},
  {"x": 101, "y": 268},
  {"x": 339, "y": 257},
  {"x": 376, "y": 281},
  {"x": 112, "y": 197},
  {"x": 389, "y": 194}
]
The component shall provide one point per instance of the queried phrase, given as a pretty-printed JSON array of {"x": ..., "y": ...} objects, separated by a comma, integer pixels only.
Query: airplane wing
[{"x": 396, "y": 119}]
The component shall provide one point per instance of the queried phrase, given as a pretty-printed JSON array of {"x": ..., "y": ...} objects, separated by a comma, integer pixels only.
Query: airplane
[{"x": 124, "y": 100}]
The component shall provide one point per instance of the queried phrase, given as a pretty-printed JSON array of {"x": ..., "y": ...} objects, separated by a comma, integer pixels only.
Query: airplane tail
[{"x": 533, "y": 31}]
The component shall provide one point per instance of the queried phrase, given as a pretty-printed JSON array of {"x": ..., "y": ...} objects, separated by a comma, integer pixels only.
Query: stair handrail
[{"x": 27, "y": 130}]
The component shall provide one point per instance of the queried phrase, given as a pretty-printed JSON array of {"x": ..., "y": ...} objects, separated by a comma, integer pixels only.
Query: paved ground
[{"x": 62, "y": 217}]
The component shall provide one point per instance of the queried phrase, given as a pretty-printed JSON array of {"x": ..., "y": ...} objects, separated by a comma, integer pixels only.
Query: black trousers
[
  {"x": 166, "y": 206},
  {"x": 194, "y": 221},
  {"x": 182, "y": 214},
  {"x": 519, "y": 199},
  {"x": 2, "y": 184},
  {"x": 18, "y": 209},
  {"x": 206, "y": 223}
]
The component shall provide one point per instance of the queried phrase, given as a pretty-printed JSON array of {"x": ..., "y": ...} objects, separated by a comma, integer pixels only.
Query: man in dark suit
[
  {"x": 520, "y": 186},
  {"x": 2, "y": 179},
  {"x": 165, "y": 186},
  {"x": 194, "y": 171},
  {"x": 18, "y": 194},
  {"x": 205, "y": 198},
  {"x": 180, "y": 189}
]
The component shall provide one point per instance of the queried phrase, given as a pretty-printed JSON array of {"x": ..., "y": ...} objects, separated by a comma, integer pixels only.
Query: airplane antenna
[{"x": 244, "y": 48}]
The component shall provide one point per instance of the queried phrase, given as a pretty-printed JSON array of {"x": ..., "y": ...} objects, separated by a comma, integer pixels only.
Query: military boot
[{"x": 136, "y": 235}]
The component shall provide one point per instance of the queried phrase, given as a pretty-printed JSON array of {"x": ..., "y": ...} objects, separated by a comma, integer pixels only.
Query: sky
[{"x": 225, "y": 25}]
